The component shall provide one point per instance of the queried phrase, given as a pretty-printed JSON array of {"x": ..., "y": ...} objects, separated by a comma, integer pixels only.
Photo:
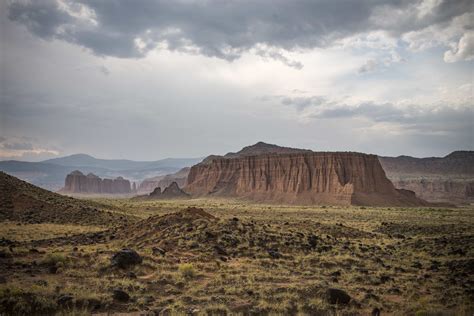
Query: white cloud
[{"x": 464, "y": 50}]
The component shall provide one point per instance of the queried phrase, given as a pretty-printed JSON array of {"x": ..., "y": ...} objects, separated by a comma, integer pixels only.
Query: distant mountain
[
  {"x": 456, "y": 163},
  {"x": 449, "y": 178},
  {"x": 50, "y": 174},
  {"x": 83, "y": 160}
]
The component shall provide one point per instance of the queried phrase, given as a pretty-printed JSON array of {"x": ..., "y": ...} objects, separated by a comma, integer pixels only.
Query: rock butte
[
  {"x": 77, "y": 182},
  {"x": 336, "y": 178}
]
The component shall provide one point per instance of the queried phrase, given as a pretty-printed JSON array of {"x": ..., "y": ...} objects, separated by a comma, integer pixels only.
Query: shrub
[
  {"x": 187, "y": 270},
  {"x": 55, "y": 259}
]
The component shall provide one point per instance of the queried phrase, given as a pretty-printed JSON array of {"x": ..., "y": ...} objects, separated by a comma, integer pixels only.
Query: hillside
[{"x": 24, "y": 202}]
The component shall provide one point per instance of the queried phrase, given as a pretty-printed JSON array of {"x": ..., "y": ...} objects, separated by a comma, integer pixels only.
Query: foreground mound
[
  {"x": 24, "y": 202},
  {"x": 337, "y": 178},
  {"x": 196, "y": 233}
]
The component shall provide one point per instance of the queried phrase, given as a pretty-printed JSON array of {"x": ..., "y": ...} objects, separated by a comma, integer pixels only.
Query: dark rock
[
  {"x": 126, "y": 258},
  {"x": 416, "y": 265},
  {"x": 385, "y": 279},
  {"x": 337, "y": 296},
  {"x": 65, "y": 300},
  {"x": 376, "y": 312},
  {"x": 274, "y": 254},
  {"x": 41, "y": 282},
  {"x": 53, "y": 269},
  {"x": 131, "y": 275},
  {"x": 220, "y": 250},
  {"x": 313, "y": 241},
  {"x": 120, "y": 295},
  {"x": 5, "y": 255}
]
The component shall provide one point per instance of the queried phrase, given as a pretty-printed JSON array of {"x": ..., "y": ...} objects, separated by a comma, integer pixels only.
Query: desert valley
[
  {"x": 262, "y": 231},
  {"x": 221, "y": 158}
]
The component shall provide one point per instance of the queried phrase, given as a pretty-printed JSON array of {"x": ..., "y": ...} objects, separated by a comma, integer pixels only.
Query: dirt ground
[{"x": 226, "y": 257}]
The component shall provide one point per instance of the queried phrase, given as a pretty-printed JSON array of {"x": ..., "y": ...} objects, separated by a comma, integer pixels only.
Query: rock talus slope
[{"x": 303, "y": 178}]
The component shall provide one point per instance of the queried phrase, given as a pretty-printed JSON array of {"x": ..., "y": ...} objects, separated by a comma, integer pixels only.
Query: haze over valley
[{"x": 207, "y": 157}]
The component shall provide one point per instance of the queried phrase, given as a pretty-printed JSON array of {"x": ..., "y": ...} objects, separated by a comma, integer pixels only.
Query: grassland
[{"x": 251, "y": 259}]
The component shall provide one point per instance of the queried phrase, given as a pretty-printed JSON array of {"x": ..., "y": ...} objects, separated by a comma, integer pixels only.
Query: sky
[{"x": 146, "y": 80}]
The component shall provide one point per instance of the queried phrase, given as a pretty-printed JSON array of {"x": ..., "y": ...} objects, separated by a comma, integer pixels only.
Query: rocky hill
[
  {"x": 450, "y": 178},
  {"x": 301, "y": 177},
  {"x": 173, "y": 191},
  {"x": 148, "y": 185},
  {"x": 77, "y": 182},
  {"x": 24, "y": 202}
]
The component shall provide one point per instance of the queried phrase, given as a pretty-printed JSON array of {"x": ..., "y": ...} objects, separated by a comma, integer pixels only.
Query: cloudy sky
[{"x": 149, "y": 79}]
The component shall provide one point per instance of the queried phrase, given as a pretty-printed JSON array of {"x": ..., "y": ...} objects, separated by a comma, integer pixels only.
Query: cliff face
[
  {"x": 77, "y": 182},
  {"x": 301, "y": 177},
  {"x": 446, "y": 179}
]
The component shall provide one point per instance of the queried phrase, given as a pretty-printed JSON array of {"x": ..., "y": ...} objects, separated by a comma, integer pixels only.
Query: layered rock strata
[
  {"x": 339, "y": 178},
  {"x": 77, "y": 182}
]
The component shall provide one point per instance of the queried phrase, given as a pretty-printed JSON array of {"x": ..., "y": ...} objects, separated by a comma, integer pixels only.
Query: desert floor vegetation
[{"x": 229, "y": 257}]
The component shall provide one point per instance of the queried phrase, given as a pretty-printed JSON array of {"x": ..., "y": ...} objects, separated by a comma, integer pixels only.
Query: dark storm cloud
[{"x": 223, "y": 29}]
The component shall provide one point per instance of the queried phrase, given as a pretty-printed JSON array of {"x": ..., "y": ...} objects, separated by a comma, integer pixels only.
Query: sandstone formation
[
  {"x": 148, "y": 185},
  {"x": 446, "y": 179},
  {"x": 300, "y": 177},
  {"x": 77, "y": 182},
  {"x": 171, "y": 192}
]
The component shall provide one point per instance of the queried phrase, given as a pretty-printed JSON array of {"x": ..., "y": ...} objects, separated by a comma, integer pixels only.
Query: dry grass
[
  {"x": 403, "y": 261},
  {"x": 18, "y": 231}
]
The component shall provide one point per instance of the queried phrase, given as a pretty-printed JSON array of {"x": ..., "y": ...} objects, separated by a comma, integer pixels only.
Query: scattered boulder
[
  {"x": 274, "y": 254},
  {"x": 337, "y": 296},
  {"x": 65, "y": 300},
  {"x": 120, "y": 295},
  {"x": 126, "y": 258}
]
